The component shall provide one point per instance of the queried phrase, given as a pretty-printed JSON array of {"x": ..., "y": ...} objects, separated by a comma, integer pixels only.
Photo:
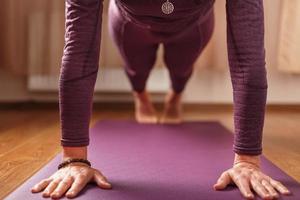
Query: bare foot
[
  {"x": 172, "y": 113},
  {"x": 144, "y": 110}
]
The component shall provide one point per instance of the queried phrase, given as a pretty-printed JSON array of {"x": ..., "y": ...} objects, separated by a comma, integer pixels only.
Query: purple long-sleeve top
[{"x": 246, "y": 56}]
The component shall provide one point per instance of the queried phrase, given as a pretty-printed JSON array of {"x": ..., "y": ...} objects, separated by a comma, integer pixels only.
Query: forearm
[
  {"x": 246, "y": 53},
  {"x": 249, "y": 114},
  {"x": 79, "y": 69}
]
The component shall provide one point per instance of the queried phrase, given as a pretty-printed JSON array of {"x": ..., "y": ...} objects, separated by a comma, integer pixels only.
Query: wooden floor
[{"x": 29, "y": 136}]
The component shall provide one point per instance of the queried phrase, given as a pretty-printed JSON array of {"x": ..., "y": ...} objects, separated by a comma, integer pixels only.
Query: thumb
[
  {"x": 101, "y": 180},
  {"x": 223, "y": 181}
]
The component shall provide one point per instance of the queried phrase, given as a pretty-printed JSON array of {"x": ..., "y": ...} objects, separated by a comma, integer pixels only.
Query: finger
[
  {"x": 223, "y": 181},
  {"x": 244, "y": 186},
  {"x": 260, "y": 189},
  {"x": 278, "y": 186},
  {"x": 62, "y": 187},
  {"x": 270, "y": 189},
  {"x": 77, "y": 186},
  {"x": 41, "y": 185},
  {"x": 101, "y": 180},
  {"x": 49, "y": 189}
]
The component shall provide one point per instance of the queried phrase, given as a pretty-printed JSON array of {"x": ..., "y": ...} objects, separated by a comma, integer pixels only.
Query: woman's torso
[{"x": 148, "y": 13}]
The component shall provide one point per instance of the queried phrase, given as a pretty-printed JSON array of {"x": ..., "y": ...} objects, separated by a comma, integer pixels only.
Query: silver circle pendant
[{"x": 167, "y": 7}]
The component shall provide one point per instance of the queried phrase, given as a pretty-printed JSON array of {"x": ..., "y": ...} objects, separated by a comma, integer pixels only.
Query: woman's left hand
[{"x": 246, "y": 175}]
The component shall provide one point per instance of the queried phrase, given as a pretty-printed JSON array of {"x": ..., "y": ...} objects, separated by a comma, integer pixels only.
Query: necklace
[{"x": 167, "y": 7}]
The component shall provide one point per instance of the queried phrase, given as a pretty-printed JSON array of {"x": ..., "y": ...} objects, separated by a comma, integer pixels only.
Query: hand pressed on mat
[
  {"x": 247, "y": 176},
  {"x": 71, "y": 179}
]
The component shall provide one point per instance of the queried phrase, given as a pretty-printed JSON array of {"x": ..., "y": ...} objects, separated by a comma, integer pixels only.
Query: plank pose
[{"x": 184, "y": 28}]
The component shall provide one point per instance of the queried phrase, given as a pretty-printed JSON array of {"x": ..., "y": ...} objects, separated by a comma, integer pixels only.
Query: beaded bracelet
[{"x": 70, "y": 160}]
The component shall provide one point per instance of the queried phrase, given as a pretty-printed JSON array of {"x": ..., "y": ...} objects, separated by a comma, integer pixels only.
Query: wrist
[
  {"x": 248, "y": 159},
  {"x": 74, "y": 152}
]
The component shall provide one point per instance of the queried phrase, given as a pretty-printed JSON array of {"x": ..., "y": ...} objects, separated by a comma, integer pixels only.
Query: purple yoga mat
[{"x": 158, "y": 162}]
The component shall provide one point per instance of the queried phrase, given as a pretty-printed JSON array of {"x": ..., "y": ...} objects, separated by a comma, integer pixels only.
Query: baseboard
[{"x": 110, "y": 80}]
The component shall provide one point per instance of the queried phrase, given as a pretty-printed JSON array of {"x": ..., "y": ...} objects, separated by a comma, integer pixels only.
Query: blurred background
[
  {"x": 31, "y": 46},
  {"x": 32, "y": 39}
]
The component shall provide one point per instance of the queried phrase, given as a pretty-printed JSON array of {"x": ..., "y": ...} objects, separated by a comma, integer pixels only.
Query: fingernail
[
  {"x": 287, "y": 192},
  {"x": 249, "y": 196},
  {"x": 45, "y": 194},
  {"x": 54, "y": 195},
  {"x": 108, "y": 184},
  {"x": 268, "y": 196},
  {"x": 70, "y": 194}
]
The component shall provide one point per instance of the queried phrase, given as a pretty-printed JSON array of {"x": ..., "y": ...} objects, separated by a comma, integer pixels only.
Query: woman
[
  {"x": 184, "y": 28},
  {"x": 138, "y": 38}
]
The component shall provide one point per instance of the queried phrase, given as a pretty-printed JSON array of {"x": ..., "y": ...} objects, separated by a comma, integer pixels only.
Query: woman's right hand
[{"x": 70, "y": 180}]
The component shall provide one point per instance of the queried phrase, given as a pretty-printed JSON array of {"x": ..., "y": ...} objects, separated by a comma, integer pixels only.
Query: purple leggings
[
  {"x": 184, "y": 34},
  {"x": 138, "y": 46}
]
